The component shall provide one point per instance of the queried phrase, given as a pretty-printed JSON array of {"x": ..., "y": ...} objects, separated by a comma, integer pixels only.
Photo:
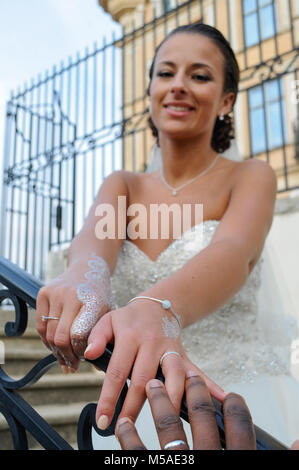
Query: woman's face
[{"x": 186, "y": 87}]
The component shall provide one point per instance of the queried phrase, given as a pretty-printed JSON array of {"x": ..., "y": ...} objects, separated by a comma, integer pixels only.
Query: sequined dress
[{"x": 226, "y": 345}]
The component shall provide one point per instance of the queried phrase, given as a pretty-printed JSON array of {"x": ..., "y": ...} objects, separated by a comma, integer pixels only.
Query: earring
[
  {"x": 150, "y": 109},
  {"x": 221, "y": 117}
]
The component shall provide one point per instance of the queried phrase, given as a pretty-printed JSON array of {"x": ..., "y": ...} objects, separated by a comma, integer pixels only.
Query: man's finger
[
  {"x": 127, "y": 435},
  {"x": 202, "y": 415},
  {"x": 238, "y": 425},
  {"x": 168, "y": 424}
]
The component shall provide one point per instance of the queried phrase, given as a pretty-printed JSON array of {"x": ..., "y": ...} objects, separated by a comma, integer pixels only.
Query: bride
[{"x": 183, "y": 302}]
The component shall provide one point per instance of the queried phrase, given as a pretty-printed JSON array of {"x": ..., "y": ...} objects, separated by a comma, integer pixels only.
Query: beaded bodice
[{"x": 226, "y": 345}]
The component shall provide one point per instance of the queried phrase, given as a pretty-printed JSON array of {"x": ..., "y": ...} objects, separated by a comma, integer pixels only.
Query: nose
[{"x": 178, "y": 84}]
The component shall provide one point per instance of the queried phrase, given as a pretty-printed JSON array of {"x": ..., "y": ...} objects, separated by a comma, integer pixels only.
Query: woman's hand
[
  {"x": 139, "y": 342},
  {"x": 79, "y": 297},
  {"x": 239, "y": 429}
]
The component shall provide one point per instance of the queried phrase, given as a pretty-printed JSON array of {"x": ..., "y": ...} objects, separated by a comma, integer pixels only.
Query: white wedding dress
[
  {"x": 245, "y": 346},
  {"x": 231, "y": 346}
]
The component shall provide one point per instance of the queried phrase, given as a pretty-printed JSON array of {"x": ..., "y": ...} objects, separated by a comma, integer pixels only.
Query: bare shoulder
[
  {"x": 135, "y": 180},
  {"x": 129, "y": 177},
  {"x": 256, "y": 173},
  {"x": 129, "y": 183},
  {"x": 118, "y": 177}
]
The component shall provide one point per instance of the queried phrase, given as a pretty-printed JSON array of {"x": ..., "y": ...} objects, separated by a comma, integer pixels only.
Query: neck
[{"x": 183, "y": 160}]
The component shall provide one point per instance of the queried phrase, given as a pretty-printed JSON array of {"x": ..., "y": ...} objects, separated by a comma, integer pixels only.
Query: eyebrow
[{"x": 193, "y": 66}]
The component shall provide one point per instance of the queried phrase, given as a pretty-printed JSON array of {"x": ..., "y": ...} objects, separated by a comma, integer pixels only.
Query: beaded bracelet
[{"x": 166, "y": 304}]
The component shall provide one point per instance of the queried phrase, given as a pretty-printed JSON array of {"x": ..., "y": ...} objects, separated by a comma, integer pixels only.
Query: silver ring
[
  {"x": 176, "y": 443},
  {"x": 49, "y": 317},
  {"x": 166, "y": 354}
]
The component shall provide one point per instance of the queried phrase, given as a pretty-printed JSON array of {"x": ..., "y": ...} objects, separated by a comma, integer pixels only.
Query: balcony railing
[{"x": 22, "y": 289}]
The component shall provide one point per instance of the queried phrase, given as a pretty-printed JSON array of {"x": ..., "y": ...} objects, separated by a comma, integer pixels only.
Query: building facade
[
  {"x": 264, "y": 35},
  {"x": 88, "y": 116}
]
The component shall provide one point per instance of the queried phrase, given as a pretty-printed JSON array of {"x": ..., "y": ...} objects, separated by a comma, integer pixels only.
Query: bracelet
[{"x": 166, "y": 304}]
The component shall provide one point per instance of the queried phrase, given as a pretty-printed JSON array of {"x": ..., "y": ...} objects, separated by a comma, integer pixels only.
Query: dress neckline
[{"x": 184, "y": 235}]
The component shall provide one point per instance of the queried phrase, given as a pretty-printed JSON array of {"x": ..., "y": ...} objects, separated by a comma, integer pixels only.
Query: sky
[{"x": 37, "y": 34}]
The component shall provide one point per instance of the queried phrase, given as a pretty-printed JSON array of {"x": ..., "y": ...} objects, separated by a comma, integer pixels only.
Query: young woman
[{"x": 209, "y": 276}]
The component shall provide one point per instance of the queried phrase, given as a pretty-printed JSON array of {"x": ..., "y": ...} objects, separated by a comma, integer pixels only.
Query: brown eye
[
  {"x": 164, "y": 74},
  {"x": 203, "y": 78}
]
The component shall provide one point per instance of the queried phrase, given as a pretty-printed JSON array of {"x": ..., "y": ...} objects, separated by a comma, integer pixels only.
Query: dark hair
[{"x": 223, "y": 130}]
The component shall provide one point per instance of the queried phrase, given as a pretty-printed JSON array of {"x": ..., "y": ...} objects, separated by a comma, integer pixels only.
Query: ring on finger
[
  {"x": 172, "y": 444},
  {"x": 166, "y": 354},
  {"x": 49, "y": 317}
]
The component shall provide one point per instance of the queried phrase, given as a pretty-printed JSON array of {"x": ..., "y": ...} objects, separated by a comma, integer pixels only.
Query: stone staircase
[{"x": 57, "y": 397}]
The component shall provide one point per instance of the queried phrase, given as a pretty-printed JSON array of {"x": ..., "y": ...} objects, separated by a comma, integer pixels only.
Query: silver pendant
[{"x": 174, "y": 193}]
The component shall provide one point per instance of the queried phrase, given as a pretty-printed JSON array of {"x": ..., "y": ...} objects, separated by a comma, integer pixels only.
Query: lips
[
  {"x": 179, "y": 106},
  {"x": 178, "y": 109}
]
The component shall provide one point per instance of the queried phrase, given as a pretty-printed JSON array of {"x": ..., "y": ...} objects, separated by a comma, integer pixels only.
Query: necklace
[{"x": 176, "y": 190}]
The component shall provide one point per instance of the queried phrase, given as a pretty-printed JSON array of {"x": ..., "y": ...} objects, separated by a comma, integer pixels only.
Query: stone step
[
  {"x": 59, "y": 398},
  {"x": 20, "y": 358},
  {"x": 21, "y": 353},
  {"x": 64, "y": 419},
  {"x": 26, "y": 341},
  {"x": 67, "y": 389},
  {"x": 7, "y": 313}
]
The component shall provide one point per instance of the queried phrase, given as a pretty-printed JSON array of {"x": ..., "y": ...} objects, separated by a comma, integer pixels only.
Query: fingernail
[
  {"x": 191, "y": 373},
  {"x": 154, "y": 383},
  {"x": 88, "y": 348},
  {"x": 123, "y": 420},
  {"x": 102, "y": 422}
]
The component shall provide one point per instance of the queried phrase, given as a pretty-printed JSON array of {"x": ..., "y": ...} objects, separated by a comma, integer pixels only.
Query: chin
[{"x": 182, "y": 134}]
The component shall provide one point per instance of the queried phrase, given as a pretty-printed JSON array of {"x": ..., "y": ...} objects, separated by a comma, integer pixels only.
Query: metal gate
[
  {"x": 72, "y": 127},
  {"x": 63, "y": 136}
]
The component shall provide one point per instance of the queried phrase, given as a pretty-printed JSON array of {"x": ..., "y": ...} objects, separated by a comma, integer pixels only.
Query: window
[
  {"x": 267, "y": 116},
  {"x": 163, "y": 6},
  {"x": 167, "y": 5},
  {"x": 260, "y": 20}
]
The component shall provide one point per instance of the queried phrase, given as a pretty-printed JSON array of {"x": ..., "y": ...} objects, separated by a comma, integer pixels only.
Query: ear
[{"x": 227, "y": 103}]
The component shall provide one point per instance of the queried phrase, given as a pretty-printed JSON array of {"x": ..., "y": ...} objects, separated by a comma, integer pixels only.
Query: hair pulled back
[{"x": 223, "y": 131}]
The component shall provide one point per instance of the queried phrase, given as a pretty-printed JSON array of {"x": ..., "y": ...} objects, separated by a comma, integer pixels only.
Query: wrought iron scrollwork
[
  {"x": 19, "y": 415},
  {"x": 17, "y": 327},
  {"x": 22, "y": 289},
  {"x": 87, "y": 423},
  {"x": 22, "y": 417},
  {"x": 18, "y": 433}
]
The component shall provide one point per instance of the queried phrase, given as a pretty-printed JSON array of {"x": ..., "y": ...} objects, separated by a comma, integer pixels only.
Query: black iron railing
[{"x": 22, "y": 289}]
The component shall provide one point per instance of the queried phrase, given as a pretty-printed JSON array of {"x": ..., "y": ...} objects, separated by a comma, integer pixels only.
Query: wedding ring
[
  {"x": 49, "y": 317},
  {"x": 176, "y": 443},
  {"x": 166, "y": 354}
]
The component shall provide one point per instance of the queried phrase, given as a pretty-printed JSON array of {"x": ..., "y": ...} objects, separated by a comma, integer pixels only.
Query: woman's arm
[
  {"x": 87, "y": 240},
  {"x": 205, "y": 283},
  {"x": 81, "y": 295},
  {"x": 213, "y": 276}
]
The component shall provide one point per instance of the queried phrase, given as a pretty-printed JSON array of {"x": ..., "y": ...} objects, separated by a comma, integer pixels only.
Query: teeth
[{"x": 179, "y": 108}]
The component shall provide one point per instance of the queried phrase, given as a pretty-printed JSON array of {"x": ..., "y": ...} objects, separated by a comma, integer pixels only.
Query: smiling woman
[
  {"x": 210, "y": 281},
  {"x": 218, "y": 68}
]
